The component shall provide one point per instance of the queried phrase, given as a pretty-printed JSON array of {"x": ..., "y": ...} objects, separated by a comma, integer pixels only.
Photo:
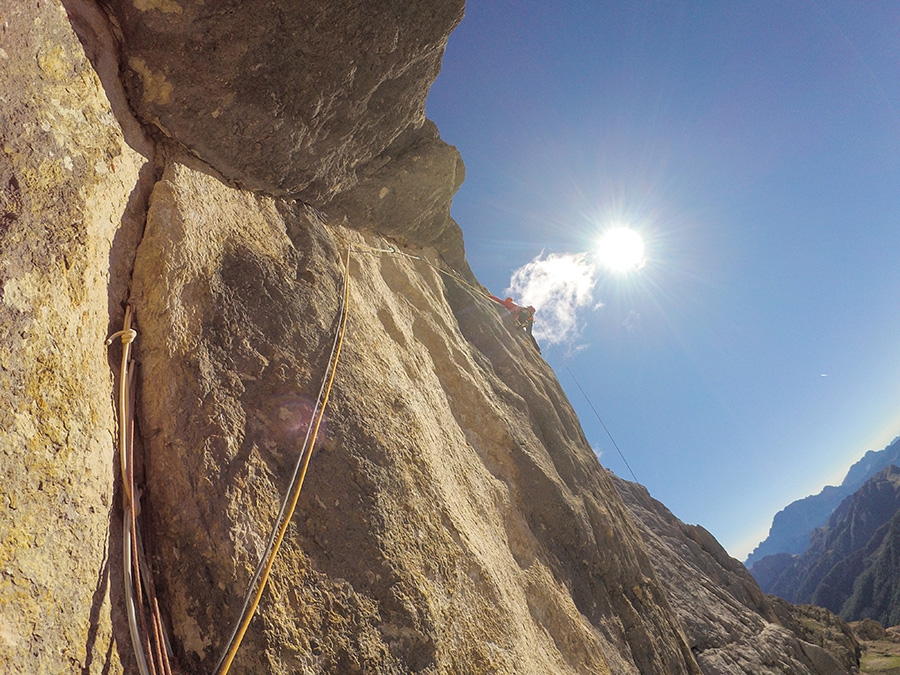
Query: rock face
[
  {"x": 454, "y": 519},
  {"x": 876, "y": 591},
  {"x": 851, "y": 566},
  {"x": 69, "y": 184},
  {"x": 285, "y": 96},
  {"x": 793, "y": 525},
  {"x": 731, "y": 626},
  {"x": 405, "y": 194}
]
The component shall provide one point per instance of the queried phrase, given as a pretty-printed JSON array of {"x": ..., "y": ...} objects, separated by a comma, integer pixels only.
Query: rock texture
[
  {"x": 69, "y": 185},
  {"x": 851, "y": 566},
  {"x": 793, "y": 525},
  {"x": 455, "y": 520},
  {"x": 876, "y": 590},
  {"x": 405, "y": 194},
  {"x": 731, "y": 626},
  {"x": 289, "y": 97}
]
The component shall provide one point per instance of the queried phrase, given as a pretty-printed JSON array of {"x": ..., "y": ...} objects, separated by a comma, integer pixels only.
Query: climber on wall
[{"x": 523, "y": 316}]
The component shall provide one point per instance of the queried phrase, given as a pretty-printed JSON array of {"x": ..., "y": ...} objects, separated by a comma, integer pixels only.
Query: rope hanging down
[
  {"x": 288, "y": 506},
  {"x": 263, "y": 569},
  {"x": 151, "y": 647},
  {"x": 599, "y": 419}
]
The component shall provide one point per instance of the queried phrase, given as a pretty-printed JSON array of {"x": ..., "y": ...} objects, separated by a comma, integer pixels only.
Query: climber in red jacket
[{"x": 523, "y": 316}]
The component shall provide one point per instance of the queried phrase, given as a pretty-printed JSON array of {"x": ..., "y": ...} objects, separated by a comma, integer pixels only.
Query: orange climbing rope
[
  {"x": 150, "y": 642},
  {"x": 150, "y": 648},
  {"x": 260, "y": 579}
]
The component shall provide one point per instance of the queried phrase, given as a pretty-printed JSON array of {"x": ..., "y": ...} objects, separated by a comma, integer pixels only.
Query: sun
[{"x": 621, "y": 249}]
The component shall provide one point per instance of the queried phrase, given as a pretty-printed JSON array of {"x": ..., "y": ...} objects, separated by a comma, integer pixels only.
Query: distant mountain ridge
[
  {"x": 852, "y": 566},
  {"x": 793, "y": 525}
]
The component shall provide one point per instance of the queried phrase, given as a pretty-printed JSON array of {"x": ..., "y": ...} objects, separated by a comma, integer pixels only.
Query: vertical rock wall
[
  {"x": 67, "y": 187},
  {"x": 454, "y": 519}
]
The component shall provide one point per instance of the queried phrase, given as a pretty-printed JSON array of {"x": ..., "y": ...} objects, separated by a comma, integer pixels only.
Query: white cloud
[{"x": 559, "y": 287}]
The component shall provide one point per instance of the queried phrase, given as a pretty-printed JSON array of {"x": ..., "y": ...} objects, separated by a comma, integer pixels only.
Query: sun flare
[{"x": 621, "y": 249}]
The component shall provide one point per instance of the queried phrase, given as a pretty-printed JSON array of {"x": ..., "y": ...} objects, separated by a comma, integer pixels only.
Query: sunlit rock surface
[
  {"x": 731, "y": 626},
  {"x": 454, "y": 520},
  {"x": 69, "y": 185}
]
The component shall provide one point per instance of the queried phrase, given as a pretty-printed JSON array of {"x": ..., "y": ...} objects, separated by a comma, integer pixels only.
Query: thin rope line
[
  {"x": 128, "y": 335},
  {"x": 392, "y": 250},
  {"x": 599, "y": 419},
  {"x": 294, "y": 495}
]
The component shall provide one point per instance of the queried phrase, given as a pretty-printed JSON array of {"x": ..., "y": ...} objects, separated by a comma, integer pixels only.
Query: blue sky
[{"x": 756, "y": 148}]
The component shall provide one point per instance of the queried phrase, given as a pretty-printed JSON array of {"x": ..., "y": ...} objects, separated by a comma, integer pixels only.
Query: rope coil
[{"x": 150, "y": 644}]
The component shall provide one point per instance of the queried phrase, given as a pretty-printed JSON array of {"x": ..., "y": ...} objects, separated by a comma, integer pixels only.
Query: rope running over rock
[
  {"x": 261, "y": 577},
  {"x": 132, "y": 542},
  {"x": 150, "y": 646}
]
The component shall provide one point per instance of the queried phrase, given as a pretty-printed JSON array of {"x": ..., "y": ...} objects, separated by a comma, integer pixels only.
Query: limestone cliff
[
  {"x": 793, "y": 525},
  {"x": 214, "y": 162},
  {"x": 730, "y": 624},
  {"x": 70, "y": 200}
]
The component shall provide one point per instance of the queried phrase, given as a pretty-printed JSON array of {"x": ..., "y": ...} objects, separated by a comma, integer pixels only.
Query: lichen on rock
[{"x": 66, "y": 180}]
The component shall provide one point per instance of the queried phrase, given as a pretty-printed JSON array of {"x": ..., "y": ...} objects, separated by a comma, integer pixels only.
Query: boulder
[
  {"x": 286, "y": 97},
  {"x": 868, "y": 629}
]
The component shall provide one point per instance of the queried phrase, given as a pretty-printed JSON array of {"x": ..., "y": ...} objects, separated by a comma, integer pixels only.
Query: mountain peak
[
  {"x": 850, "y": 566},
  {"x": 793, "y": 525}
]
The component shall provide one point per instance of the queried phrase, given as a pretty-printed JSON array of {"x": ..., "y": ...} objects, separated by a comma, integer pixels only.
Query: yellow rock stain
[{"x": 156, "y": 88}]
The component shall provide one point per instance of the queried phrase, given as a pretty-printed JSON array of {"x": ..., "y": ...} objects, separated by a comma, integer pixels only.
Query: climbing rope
[
  {"x": 260, "y": 578},
  {"x": 150, "y": 646},
  {"x": 288, "y": 506},
  {"x": 392, "y": 250},
  {"x": 597, "y": 415}
]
